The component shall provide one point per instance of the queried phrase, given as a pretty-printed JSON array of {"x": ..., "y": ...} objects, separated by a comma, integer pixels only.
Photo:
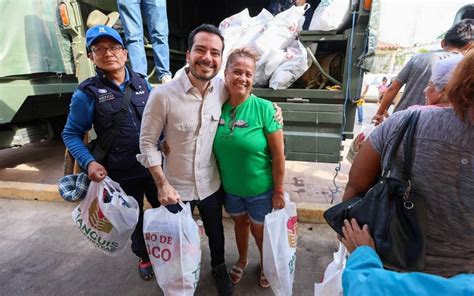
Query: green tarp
[
  {"x": 31, "y": 40},
  {"x": 366, "y": 61}
]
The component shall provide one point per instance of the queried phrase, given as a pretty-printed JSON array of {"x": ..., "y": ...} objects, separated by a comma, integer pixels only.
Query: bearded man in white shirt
[{"x": 187, "y": 111}]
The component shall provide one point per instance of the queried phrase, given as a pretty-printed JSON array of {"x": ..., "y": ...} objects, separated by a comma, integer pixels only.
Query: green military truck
[{"x": 43, "y": 58}]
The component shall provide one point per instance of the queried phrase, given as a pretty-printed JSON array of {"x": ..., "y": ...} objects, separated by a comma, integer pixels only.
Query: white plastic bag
[
  {"x": 282, "y": 30},
  {"x": 332, "y": 280},
  {"x": 256, "y": 26},
  {"x": 174, "y": 246},
  {"x": 294, "y": 65},
  {"x": 269, "y": 36},
  {"x": 279, "y": 248},
  {"x": 241, "y": 30},
  {"x": 234, "y": 23},
  {"x": 267, "y": 64},
  {"x": 107, "y": 216},
  {"x": 356, "y": 144},
  {"x": 231, "y": 29},
  {"x": 329, "y": 15}
]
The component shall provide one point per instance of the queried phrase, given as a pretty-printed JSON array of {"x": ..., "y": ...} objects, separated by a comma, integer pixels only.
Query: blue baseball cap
[{"x": 100, "y": 31}]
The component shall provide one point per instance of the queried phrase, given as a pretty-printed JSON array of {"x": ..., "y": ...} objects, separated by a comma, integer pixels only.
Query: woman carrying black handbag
[
  {"x": 396, "y": 216},
  {"x": 442, "y": 172}
]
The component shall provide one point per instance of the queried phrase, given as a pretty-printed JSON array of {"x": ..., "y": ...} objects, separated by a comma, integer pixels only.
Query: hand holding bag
[
  {"x": 279, "y": 248},
  {"x": 121, "y": 210},
  {"x": 174, "y": 246},
  {"x": 396, "y": 217},
  {"x": 331, "y": 284},
  {"x": 107, "y": 216}
]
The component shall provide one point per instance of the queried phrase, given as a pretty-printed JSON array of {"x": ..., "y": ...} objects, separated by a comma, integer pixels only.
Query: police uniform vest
[{"x": 120, "y": 160}]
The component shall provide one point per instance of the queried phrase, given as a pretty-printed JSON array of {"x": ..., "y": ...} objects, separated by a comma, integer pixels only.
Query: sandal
[
  {"x": 262, "y": 280},
  {"x": 145, "y": 270},
  {"x": 236, "y": 273}
]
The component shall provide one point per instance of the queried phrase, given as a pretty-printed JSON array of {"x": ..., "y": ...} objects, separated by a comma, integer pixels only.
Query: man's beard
[{"x": 204, "y": 78}]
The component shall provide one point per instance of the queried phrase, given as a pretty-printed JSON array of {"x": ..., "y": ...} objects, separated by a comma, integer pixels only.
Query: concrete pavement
[{"x": 43, "y": 253}]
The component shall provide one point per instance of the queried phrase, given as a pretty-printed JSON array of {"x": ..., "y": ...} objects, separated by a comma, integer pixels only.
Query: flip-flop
[
  {"x": 235, "y": 274},
  {"x": 262, "y": 280}
]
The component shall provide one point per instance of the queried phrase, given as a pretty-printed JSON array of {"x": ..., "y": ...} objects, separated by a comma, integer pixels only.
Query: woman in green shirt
[{"x": 250, "y": 155}]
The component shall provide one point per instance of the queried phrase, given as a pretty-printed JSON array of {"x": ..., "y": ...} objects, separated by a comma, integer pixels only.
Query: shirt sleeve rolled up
[{"x": 153, "y": 122}]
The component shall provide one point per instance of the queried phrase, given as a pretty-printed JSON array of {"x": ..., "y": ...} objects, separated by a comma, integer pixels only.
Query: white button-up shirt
[{"x": 189, "y": 122}]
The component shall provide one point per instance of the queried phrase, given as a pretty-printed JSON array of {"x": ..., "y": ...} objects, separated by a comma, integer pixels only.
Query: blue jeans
[
  {"x": 256, "y": 207},
  {"x": 360, "y": 113},
  {"x": 156, "y": 18}
]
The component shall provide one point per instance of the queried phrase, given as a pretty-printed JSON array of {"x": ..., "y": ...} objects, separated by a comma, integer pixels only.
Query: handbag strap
[
  {"x": 407, "y": 164},
  {"x": 410, "y": 120}
]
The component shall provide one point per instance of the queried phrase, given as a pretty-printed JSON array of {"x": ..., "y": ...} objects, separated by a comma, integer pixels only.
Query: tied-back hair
[
  {"x": 243, "y": 52},
  {"x": 460, "y": 89}
]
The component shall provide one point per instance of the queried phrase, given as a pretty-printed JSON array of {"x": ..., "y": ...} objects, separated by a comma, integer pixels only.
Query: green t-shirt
[{"x": 241, "y": 146}]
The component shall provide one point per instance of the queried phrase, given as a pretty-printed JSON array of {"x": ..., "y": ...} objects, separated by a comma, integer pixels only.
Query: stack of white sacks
[{"x": 283, "y": 58}]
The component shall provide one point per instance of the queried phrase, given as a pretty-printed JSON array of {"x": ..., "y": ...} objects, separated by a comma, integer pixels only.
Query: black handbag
[{"x": 396, "y": 218}]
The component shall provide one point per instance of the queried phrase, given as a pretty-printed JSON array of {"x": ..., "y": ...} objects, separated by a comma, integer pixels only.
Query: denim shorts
[{"x": 255, "y": 206}]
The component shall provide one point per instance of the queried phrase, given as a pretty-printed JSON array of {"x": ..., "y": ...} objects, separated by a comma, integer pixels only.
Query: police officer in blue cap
[{"x": 112, "y": 101}]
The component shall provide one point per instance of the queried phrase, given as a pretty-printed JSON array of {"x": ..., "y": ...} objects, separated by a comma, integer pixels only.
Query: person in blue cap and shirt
[{"x": 98, "y": 101}]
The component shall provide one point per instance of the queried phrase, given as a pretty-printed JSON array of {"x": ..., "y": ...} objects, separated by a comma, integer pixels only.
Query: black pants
[
  {"x": 136, "y": 188},
  {"x": 210, "y": 209}
]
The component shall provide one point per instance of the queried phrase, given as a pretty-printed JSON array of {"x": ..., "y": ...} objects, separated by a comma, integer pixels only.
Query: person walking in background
[
  {"x": 250, "y": 155},
  {"x": 382, "y": 88},
  {"x": 417, "y": 72},
  {"x": 442, "y": 171},
  {"x": 99, "y": 101},
  {"x": 360, "y": 110},
  {"x": 359, "y": 103},
  {"x": 154, "y": 12}
]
